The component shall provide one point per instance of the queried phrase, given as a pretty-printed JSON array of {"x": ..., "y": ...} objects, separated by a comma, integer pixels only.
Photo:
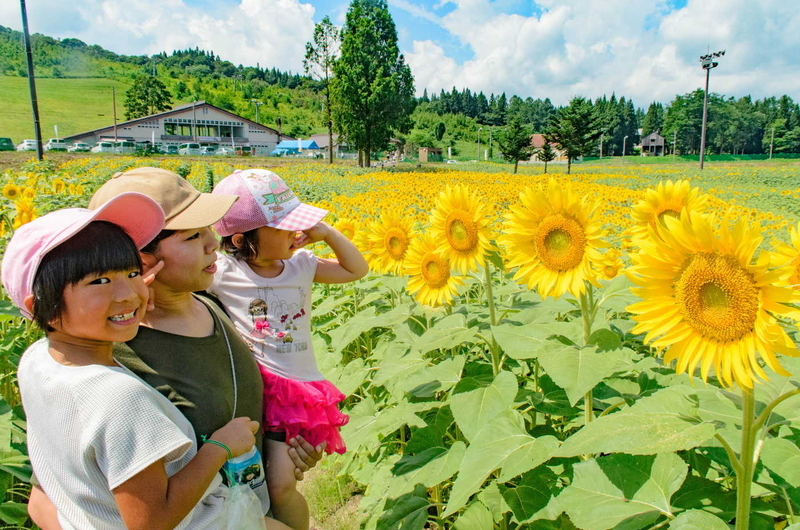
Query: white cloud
[
  {"x": 270, "y": 32},
  {"x": 636, "y": 48}
]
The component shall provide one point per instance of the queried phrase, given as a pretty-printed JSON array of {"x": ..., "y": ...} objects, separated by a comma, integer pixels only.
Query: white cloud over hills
[{"x": 644, "y": 49}]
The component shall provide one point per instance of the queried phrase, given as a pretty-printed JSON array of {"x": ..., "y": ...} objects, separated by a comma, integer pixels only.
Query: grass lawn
[{"x": 75, "y": 105}]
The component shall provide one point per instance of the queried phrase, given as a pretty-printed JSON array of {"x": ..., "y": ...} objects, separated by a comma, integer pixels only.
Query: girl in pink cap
[
  {"x": 108, "y": 450},
  {"x": 265, "y": 284}
]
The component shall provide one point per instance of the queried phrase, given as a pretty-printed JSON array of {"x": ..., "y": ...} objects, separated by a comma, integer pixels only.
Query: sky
[{"x": 647, "y": 50}]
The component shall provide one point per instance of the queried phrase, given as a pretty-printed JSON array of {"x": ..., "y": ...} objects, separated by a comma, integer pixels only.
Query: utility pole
[
  {"x": 37, "y": 129},
  {"x": 114, "y": 105},
  {"x": 490, "y": 142},
  {"x": 601, "y": 145},
  {"x": 674, "y": 141},
  {"x": 708, "y": 62},
  {"x": 479, "y": 143},
  {"x": 194, "y": 122},
  {"x": 257, "y": 103},
  {"x": 624, "y": 141},
  {"x": 771, "y": 143}
]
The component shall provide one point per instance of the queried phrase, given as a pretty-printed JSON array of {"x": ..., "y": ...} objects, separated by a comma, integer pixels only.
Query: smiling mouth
[{"x": 123, "y": 317}]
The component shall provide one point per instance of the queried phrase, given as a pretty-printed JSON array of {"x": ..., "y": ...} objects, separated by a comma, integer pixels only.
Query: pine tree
[
  {"x": 372, "y": 88},
  {"x": 515, "y": 142},
  {"x": 148, "y": 95},
  {"x": 574, "y": 129},
  {"x": 546, "y": 154},
  {"x": 318, "y": 62}
]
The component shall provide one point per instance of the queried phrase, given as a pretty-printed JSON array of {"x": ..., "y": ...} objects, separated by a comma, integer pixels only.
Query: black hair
[
  {"x": 152, "y": 246},
  {"x": 98, "y": 248},
  {"x": 248, "y": 251}
]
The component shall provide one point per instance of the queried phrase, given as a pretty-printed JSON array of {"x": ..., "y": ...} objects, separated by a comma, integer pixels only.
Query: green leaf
[
  {"x": 699, "y": 520},
  {"x": 474, "y": 409},
  {"x": 408, "y": 463},
  {"x": 504, "y": 444},
  {"x": 447, "y": 373},
  {"x": 663, "y": 422},
  {"x": 432, "y": 435},
  {"x": 364, "y": 321},
  {"x": 330, "y": 303},
  {"x": 14, "y": 512},
  {"x": 475, "y": 516},
  {"x": 409, "y": 512},
  {"x": 532, "y": 494},
  {"x": 697, "y": 493},
  {"x": 8, "y": 311},
  {"x": 782, "y": 457},
  {"x": 431, "y": 473},
  {"x": 594, "y": 502},
  {"x": 527, "y": 341},
  {"x": 605, "y": 339},
  {"x": 347, "y": 379},
  {"x": 576, "y": 370},
  {"x": 397, "y": 364},
  {"x": 449, "y": 332}
]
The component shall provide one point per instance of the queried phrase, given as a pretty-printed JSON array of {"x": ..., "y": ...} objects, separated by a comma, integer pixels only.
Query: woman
[{"x": 186, "y": 347}]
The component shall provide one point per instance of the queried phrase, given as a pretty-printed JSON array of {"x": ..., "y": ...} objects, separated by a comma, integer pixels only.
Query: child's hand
[
  {"x": 238, "y": 435},
  {"x": 318, "y": 232}
]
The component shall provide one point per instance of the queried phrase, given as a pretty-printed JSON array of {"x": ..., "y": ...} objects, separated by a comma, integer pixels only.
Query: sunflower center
[
  {"x": 396, "y": 243},
  {"x": 435, "y": 270},
  {"x": 560, "y": 242},
  {"x": 462, "y": 234},
  {"x": 348, "y": 233},
  {"x": 717, "y": 296}
]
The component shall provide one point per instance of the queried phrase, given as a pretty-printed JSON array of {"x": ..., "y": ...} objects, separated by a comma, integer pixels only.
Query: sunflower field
[{"x": 613, "y": 348}]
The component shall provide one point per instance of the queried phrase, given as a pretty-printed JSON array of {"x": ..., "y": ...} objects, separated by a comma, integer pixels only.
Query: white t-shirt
[
  {"x": 91, "y": 428},
  {"x": 273, "y": 315}
]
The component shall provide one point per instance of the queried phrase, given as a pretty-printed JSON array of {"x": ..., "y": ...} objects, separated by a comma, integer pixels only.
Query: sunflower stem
[
  {"x": 497, "y": 361},
  {"x": 762, "y": 418},
  {"x": 587, "y": 304},
  {"x": 735, "y": 464},
  {"x": 744, "y": 479}
]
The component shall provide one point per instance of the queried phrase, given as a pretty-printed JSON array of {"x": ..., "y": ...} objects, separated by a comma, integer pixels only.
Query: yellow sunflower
[
  {"x": 347, "y": 226},
  {"x": 787, "y": 257},
  {"x": 668, "y": 199},
  {"x": 554, "y": 237},
  {"x": 430, "y": 280},
  {"x": 611, "y": 264},
  {"x": 11, "y": 191},
  {"x": 25, "y": 213},
  {"x": 58, "y": 185},
  {"x": 29, "y": 193},
  {"x": 388, "y": 240},
  {"x": 460, "y": 225},
  {"x": 707, "y": 301}
]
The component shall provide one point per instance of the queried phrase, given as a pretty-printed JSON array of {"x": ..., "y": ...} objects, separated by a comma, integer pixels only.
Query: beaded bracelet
[{"x": 217, "y": 443}]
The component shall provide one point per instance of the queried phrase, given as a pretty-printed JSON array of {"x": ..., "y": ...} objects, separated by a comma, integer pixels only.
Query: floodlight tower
[{"x": 708, "y": 62}]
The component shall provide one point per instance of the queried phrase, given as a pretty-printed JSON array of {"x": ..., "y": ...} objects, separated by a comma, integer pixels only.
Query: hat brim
[
  {"x": 301, "y": 218},
  {"x": 206, "y": 210}
]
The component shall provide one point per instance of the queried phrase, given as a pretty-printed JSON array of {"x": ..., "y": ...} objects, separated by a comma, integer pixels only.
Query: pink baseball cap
[
  {"x": 140, "y": 216},
  {"x": 264, "y": 200}
]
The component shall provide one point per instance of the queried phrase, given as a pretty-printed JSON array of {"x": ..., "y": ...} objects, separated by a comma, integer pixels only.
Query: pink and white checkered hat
[{"x": 264, "y": 200}]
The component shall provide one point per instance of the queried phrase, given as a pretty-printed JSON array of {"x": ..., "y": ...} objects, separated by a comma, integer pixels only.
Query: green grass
[{"x": 75, "y": 105}]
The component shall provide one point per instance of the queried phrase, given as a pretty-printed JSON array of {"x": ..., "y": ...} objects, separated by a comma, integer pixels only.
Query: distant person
[{"x": 265, "y": 285}]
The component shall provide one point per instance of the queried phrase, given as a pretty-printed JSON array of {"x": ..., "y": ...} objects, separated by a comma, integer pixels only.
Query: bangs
[{"x": 100, "y": 247}]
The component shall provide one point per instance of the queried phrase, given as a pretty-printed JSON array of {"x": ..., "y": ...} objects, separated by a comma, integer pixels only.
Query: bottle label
[{"x": 249, "y": 469}]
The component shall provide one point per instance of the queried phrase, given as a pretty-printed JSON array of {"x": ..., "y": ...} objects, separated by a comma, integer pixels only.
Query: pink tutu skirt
[{"x": 306, "y": 408}]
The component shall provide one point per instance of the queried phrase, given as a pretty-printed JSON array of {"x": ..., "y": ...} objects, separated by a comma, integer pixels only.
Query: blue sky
[{"x": 644, "y": 49}]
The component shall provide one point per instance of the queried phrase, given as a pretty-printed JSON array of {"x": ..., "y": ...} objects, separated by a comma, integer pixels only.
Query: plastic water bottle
[{"x": 249, "y": 469}]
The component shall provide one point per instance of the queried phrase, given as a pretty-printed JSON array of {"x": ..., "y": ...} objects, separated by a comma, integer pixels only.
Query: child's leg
[{"x": 288, "y": 505}]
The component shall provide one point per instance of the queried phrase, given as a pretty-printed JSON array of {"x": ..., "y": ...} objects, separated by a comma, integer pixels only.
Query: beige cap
[{"x": 184, "y": 207}]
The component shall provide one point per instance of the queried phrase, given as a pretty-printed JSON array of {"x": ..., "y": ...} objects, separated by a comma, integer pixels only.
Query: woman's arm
[
  {"x": 150, "y": 500},
  {"x": 42, "y": 510}
]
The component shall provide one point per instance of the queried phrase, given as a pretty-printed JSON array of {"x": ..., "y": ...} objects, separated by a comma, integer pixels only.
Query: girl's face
[
  {"x": 189, "y": 258},
  {"x": 275, "y": 244},
  {"x": 108, "y": 306}
]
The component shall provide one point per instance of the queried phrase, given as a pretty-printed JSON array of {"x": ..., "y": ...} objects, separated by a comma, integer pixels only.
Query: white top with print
[{"x": 273, "y": 315}]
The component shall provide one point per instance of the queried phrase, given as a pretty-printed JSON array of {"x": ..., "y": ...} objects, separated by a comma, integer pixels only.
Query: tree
[
  {"x": 439, "y": 130},
  {"x": 654, "y": 119},
  {"x": 146, "y": 96},
  {"x": 372, "y": 88},
  {"x": 515, "y": 142},
  {"x": 574, "y": 130},
  {"x": 546, "y": 154},
  {"x": 318, "y": 62}
]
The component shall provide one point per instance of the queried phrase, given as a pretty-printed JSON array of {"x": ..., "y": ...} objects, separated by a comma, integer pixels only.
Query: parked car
[
  {"x": 243, "y": 150},
  {"x": 189, "y": 149},
  {"x": 79, "y": 147},
  {"x": 225, "y": 151},
  {"x": 125, "y": 147},
  {"x": 55, "y": 144},
  {"x": 171, "y": 150},
  {"x": 27, "y": 145},
  {"x": 208, "y": 150},
  {"x": 103, "y": 147},
  {"x": 6, "y": 144}
]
